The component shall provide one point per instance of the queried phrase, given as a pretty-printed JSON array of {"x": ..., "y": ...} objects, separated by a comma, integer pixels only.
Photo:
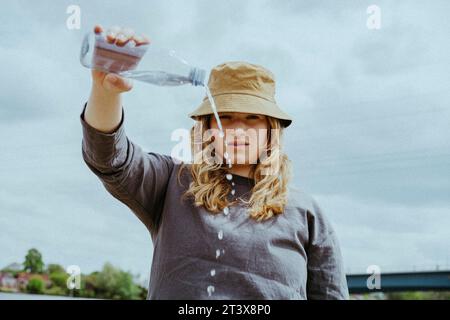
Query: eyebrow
[{"x": 247, "y": 115}]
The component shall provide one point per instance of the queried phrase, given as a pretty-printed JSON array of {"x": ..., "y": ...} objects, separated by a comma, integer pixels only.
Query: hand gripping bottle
[{"x": 146, "y": 63}]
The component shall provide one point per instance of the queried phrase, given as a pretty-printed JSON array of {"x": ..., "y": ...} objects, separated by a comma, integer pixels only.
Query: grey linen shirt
[{"x": 295, "y": 255}]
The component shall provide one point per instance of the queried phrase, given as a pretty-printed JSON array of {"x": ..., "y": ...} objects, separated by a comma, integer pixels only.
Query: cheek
[
  {"x": 218, "y": 143},
  {"x": 262, "y": 146},
  {"x": 263, "y": 142},
  {"x": 262, "y": 138}
]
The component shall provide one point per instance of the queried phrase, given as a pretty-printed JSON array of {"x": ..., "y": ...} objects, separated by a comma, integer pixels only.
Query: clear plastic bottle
[{"x": 146, "y": 63}]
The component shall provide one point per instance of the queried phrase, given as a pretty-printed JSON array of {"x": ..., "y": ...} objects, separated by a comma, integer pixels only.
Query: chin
[{"x": 241, "y": 160}]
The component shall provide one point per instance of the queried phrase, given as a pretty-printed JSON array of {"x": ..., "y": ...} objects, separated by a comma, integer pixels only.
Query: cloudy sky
[{"x": 370, "y": 137}]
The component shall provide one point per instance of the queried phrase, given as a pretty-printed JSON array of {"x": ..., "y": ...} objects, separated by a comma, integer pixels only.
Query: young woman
[{"x": 227, "y": 225}]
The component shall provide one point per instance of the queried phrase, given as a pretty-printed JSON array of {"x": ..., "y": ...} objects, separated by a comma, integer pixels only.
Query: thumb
[{"x": 116, "y": 83}]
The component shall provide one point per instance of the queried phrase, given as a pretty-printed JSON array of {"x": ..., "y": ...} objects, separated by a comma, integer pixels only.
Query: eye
[
  {"x": 253, "y": 116},
  {"x": 225, "y": 117}
]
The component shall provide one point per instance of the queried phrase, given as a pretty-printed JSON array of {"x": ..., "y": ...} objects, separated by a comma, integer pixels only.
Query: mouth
[{"x": 237, "y": 144}]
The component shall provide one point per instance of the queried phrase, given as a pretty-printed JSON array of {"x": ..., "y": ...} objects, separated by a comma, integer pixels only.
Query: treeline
[{"x": 52, "y": 279}]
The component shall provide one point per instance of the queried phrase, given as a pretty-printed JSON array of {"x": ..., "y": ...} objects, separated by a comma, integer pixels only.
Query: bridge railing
[{"x": 401, "y": 281}]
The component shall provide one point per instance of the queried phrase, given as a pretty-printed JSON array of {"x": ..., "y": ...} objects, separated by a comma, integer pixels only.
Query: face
[{"x": 245, "y": 137}]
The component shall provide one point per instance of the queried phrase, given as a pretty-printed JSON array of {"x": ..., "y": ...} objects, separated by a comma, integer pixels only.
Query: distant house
[
  {"x": 8, "y": 281},
  {"x": 19, "y": 282},
  {"x": 24, "y": 277}
]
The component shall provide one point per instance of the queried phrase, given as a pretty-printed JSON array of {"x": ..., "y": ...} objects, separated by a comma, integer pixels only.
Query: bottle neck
[{"x": 197, "y": 76}]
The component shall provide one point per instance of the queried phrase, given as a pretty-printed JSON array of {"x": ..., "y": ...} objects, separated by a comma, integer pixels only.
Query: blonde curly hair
[{"x": 209, "y": 187}]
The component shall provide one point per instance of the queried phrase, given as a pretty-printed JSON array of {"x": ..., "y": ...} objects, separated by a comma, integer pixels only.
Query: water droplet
[
  {"x": 233, "y": 192},
  {"x": 229, "y": 176},
  {"x": 213, "y": 272},
  {"x": 214, "y": 109},
  {"x": 210, "y": 290},
  {"x": 225, "y": 154},
  {"x": 220, "y": 235},
  {"x": 232, "y": 183},
  {"x": 226, "y": 211},
  {"x": 223, "y": 251},
  {"x": 217, "y": 253}
]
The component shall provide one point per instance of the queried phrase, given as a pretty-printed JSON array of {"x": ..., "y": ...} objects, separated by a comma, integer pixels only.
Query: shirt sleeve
[
  {"x": 326, "y": 277},
  {"x": 137, "y": 179}
]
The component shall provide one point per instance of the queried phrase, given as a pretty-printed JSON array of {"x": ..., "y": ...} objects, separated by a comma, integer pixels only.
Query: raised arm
[
  {"x": 104, "y": 108},
  {"x": 136, "y": 178}
]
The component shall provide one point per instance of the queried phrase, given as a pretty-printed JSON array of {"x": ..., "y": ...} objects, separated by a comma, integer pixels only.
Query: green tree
[
  {"x": 35, "y": 285},
  {"x": 55, "y": 268},
  {"x": 59, "y": 279},
  {"x": 113, "y": 283},
  {"x": 89, "y": 285},
  {"x": 419, "y": 295},
  {"x": 33, "y": 261}
]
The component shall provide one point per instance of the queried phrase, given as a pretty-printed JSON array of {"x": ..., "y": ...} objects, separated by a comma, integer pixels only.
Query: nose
[
  {"x": 237, "y": 135},
  {"x": 239, "y": 131}
]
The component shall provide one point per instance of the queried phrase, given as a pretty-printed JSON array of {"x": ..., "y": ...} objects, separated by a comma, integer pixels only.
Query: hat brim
[{"x": 246, "y": 103}]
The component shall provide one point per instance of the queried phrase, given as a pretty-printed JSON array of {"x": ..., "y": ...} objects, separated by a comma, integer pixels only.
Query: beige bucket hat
[{"x": 239, "y": 86}]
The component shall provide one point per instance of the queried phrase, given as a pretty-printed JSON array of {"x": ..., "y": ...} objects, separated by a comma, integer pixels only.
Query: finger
[
  {"x": 111, "y": 34},
  {"x": 97, "y": 73},
  {"x": 141, "y": 40},
  {"x": 124, "y": 35},
  {"x": 98, "y": 29},
  {"x": 111, "y": 37},
  {"x": 117, "y": 83},
  {"x": 125, "y": 84},
  {"x": 122, "y": 39}
]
